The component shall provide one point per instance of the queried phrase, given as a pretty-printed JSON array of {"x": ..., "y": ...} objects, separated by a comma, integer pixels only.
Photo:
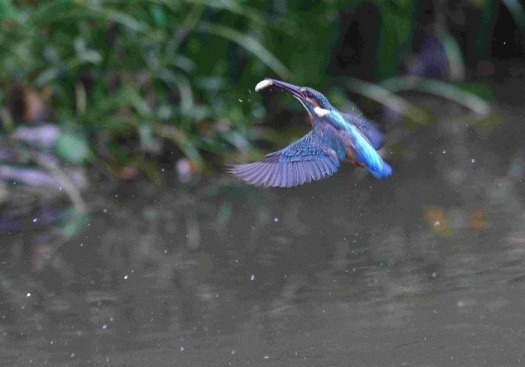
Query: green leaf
[
  {"x": 395, "y": 30},
  {"x": 454, "y": 56},
  {"x": 72, "y": 147},
  {"x": 439, "y": 88},
  {"x": 247, "y": 42},
  {"x": 158, "y": 15},
  {"x": 479, "y": 89},
  {"x": 147, "y": 137},
  {"x": 8, "y": 11},
  {"x": 385, "y": 97}
]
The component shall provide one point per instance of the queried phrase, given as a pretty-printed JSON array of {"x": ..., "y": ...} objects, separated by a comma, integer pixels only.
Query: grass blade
[
  {"x": 390, "y": 100},
  {"x": 436, "y": 87},
  {"x": 247, "y": 42},
  {"x": 517, "y": 12}
]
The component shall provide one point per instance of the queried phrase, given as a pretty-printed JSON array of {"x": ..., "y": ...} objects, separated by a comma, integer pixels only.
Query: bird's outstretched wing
[
  {"x": 369, "y": 129},
  {"x": 313, "y": 157}
]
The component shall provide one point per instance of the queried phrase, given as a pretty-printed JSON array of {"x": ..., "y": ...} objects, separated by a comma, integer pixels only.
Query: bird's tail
[{"x": 381, "y": 172}]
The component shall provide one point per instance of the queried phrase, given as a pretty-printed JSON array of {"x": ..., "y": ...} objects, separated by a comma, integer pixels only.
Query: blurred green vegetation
[{"x": 124, "y": 78}]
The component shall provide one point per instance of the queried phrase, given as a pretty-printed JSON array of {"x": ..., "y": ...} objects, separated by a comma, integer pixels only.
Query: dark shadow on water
[{"x": 425, "y": 268}]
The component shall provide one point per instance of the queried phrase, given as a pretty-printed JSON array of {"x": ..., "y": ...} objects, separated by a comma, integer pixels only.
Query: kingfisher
[{"x": 335, "y": 136}]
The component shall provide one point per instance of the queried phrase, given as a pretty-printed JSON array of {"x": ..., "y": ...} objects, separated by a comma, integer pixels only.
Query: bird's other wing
[
  {"x": 369, "y": 129},
  {"x": 307, "y": 159}
]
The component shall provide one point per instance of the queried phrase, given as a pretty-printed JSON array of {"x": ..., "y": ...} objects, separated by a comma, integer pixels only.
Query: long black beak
[{"x": 294, "y": 90}]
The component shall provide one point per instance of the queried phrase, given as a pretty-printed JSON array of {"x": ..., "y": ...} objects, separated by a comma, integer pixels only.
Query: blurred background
[{"x": 125, "y": 243}]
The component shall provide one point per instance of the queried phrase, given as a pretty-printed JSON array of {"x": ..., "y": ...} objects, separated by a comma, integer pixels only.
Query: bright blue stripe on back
[{"x": 365, "y": 153}]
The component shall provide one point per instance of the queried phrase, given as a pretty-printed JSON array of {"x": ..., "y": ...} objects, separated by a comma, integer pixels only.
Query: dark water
[{"x": 423, "y": 269}]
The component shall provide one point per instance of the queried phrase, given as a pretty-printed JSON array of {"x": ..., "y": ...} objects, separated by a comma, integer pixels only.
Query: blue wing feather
[{"x": 313, "y": 157}]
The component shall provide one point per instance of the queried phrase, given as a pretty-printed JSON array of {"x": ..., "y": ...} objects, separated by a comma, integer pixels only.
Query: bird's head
[{"x": 309, "y": 97}]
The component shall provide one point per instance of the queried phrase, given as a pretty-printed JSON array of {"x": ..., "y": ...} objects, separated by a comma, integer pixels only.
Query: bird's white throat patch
[
  {"x": 263, "y": 85},
  {"x": 321, "y": 112}
]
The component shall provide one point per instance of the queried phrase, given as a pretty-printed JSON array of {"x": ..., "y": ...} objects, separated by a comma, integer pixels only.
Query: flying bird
[{"x": 335, "y": 136}]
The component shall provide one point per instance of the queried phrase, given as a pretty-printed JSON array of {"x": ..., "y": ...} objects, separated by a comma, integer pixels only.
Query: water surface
[{"x": 423, "y": 269}]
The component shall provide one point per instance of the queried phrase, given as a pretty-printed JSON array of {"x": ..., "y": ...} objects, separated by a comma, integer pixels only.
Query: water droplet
[
  {"x": 275, "y": 219},
  {"x": 252, "y": 276},
  {"x": 434, "y": 275},
  {"x": 104, "y": 327},
  {"x": 72, "y": 355},
  {"x": 234, "y": 351},
  {"x": 28, "y": 295},
  {"x": 105, "y": 210},
  {"x": 240, "y": 100},
  {"x": 266, "y": 357},
  {"x": 126, "y": 276},
  {"x": 35, "y": 220},
  {"x": 444, "y": 151},
  {"x": 437, "y": 223},
  {"x": 473, "y": 160},
  {"x": 461, "y": 304},
  {"x": 181, "y": 348}
]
